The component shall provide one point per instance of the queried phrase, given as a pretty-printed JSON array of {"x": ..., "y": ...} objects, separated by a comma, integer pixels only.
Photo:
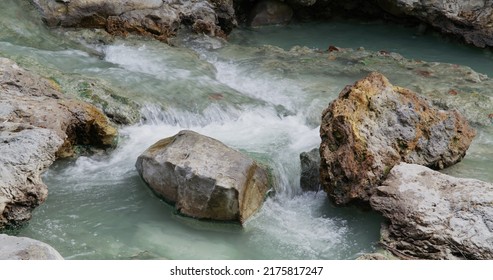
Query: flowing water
[{"x": 98, "y": 207}]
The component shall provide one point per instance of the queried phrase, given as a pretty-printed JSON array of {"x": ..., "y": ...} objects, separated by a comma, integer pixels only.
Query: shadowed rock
[
  {"x": 373, "y": 126},
  {"x": 270, "y": 12},
  {"x": 310, "y": 170},
  {"x": 203, "y": 177},
  {"x": 435, "y": 216},
  {"x": 469, "y": 20}
]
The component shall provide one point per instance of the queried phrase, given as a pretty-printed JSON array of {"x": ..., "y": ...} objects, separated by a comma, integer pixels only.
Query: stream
[{"x": 265, "y": 106}]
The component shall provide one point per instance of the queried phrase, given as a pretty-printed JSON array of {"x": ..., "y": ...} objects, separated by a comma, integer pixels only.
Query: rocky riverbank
[
  {"x": 38, "y": 125},
  {"x": 154, "y": 18},
  {"x": 469, "y": 21}
]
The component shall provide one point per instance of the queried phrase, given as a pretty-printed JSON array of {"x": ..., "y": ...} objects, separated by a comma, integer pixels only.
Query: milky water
[{"x": 99, "y": 208}]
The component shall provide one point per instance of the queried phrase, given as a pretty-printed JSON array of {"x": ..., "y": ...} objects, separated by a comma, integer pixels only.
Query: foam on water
[
  {"x": 213, "y": 113},
  {"x": 98, "y": 206},
  {"x": 274, "y": 90},
  {"x": 315, "y": 237},
  {"x": 260, "y": 132},
  {"x": 290, "y": 226},
  {"x": 143, "y": 59}
]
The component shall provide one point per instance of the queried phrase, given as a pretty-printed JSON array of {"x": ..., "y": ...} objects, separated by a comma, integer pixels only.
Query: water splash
[
  {"x": 214, "y": 113},
  {"x": 298, "y": 229}
]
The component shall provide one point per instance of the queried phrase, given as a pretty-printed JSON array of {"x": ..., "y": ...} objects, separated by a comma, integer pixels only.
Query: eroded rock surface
[
  {"x": 30, "y": 99},
  {"x": 25, "y": 151},
  {"x": 470, "y": 20},
  {"x": 157, "y": 18},
  {"x": 373, "y": 126},
  {"x": 37, "y": 125},
  {"x": 435, "y": 216},
  {"x": 203, "y": 177},
  {"x": 23, "y": 248}
]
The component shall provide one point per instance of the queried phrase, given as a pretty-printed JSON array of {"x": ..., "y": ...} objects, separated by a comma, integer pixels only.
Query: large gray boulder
[
  {"x": 470, "y": 20},
  {"x": 23, "y": 248},
  {"x": 373, "y": 126},
  {"x": 203, "y": 177},
  {"x": 435, "y": 216},
  {"x": 37, "y": 125},
  {"x": 158, "y": 18}
]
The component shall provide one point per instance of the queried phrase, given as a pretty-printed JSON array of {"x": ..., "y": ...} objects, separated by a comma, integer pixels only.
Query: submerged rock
[
  {"x": 23, "y": 248},
  {"x": 435, "y": 216},
  {"x": 37, "y": 125},
  {"x": 203, "y": 177},
  {"x": 373, "y": 126},
  {"x": 156, "y": 18},
  {"x": 270, "y": 12},
  {"x": 310, "y": 170}
]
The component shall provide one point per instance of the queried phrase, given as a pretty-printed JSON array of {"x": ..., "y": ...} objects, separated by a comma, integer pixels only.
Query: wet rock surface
[
  {"x": 23, "y": 248},
  {"x": 37, "y": 125},
  {"x": 373, "y": 126},
  {"x": 435, "y": 216},
  {"x": 155, "y": 18},
  {"x": 310, "y": 170},
  {"x": 203, "y": 177}
]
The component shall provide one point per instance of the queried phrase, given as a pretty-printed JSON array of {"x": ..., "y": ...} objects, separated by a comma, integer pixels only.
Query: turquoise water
[
  {"x": 407, "y": 41},
  {"x": 98, "y": 207}
]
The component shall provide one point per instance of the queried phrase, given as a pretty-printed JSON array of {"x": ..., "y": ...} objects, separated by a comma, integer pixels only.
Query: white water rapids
[{"x": 99, "y": 208}]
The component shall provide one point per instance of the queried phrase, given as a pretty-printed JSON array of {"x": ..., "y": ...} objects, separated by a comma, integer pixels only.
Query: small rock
[
  {"x": 372, "y": 257},
  {"x": 310, "y": 170}
]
